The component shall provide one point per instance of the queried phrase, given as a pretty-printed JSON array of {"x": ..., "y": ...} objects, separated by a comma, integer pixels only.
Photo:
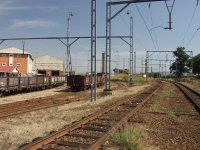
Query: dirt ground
[
  {"x": 169, "y": 121},
  {"x": 23, "y": 128},
  {"x": 34, "y": 94}
]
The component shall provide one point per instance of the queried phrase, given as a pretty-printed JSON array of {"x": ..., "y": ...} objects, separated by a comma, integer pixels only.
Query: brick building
[{"x": 12, "y": 59}]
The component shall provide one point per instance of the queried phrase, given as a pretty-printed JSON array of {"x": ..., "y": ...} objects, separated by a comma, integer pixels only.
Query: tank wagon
[
  {"x": 82, "y": 82},
  {"x": 18, "y": 84}
]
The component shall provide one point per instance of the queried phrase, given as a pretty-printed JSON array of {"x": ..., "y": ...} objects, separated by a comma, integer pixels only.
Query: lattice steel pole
[
  {"x": 191, "y": 57},
  {"x": 108, "y": 47},
  {"x": 165, "y": 71},
  {"x": 147, "y": 64},
  {"x": 131, "y": 52},
  {"x": 93, "y": 48},
  {"x": 135, "y": 63}
]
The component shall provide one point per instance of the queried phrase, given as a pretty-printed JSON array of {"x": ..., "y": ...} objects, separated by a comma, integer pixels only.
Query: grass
[
  {"x": 128, "y": 138},
  {"x": 155, "y": 105},
  {"x": 120, "y": 77},
  {"x": 192, "y": 81},
  {"x": 139, "y": 79},
  {"x": 172, "y": 114},
  {"x": 143, "y": 118}
]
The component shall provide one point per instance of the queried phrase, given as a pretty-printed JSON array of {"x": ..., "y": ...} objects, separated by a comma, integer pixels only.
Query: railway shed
[{"x": 49, "y": 65}]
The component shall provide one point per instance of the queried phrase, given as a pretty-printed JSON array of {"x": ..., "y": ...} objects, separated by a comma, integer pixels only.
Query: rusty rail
[
  {"x": 20, "y": 107},
  {"x": 192, "y": 95},
  {"x": 94, "y": 130}
]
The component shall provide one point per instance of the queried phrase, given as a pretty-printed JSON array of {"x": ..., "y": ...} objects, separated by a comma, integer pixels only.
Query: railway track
[
  {"x": 192, "y": 95},
  {"x": 94, "y": 130},
  {"x": 20, "y": 107}
]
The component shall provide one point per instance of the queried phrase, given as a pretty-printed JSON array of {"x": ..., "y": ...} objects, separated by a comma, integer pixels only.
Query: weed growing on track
[
  {"x": 172, "y": 114},
  {"x": 155, "y": 105},
  {"x": 128, "y": 138},
  {"x": 142, "y": 117}
]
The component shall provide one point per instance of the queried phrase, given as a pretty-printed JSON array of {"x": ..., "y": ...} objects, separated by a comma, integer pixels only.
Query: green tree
[
  {"x": 196, "y": 64},
  {"x": 182, "y": 63}
]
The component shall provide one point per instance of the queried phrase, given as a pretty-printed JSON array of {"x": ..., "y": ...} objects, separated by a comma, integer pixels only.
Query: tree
[
  {"x": 182, "y": 63},
  {"x": 196, "y": 64}
]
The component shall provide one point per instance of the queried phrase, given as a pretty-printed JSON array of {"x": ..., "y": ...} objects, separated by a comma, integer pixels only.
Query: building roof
[
  {"x": 13, "y": 50},
  {"x": 8, "y": 69},
  {"x": 49, "y": 58}
]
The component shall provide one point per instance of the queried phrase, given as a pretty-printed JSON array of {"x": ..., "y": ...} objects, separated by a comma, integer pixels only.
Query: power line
[
  {"x": 125, "y": 22},
  {"x": 145, "y": 23},
  {"x": 189, "y": 24},
  {"x": 194, "y": 34},
  {"x": 152, "y": 25}
]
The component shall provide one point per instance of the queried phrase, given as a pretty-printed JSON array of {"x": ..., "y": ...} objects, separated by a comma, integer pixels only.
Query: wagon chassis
[{"x": 10, "y": 85}]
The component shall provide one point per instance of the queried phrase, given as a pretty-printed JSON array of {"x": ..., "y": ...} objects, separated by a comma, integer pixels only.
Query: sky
[{"x": 48, "y": 18}]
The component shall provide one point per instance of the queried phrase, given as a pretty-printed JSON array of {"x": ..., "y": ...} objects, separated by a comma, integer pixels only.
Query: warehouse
[{"x": 49, "y": 65}]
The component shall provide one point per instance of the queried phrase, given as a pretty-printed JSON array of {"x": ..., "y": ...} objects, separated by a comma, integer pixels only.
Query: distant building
[
  {"x": 48, "y": 65},
  {"x": 13, "y": 60}
]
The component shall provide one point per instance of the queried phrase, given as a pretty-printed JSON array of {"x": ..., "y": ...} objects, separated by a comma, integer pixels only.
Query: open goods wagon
[
  {"x": 17, "y": 84},
  {"x": 81, "y": 82}
]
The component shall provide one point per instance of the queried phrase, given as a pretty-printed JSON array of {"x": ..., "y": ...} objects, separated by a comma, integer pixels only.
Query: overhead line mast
[
  {"x": 93, "y": 49},
  {"x": 109, "y": 18}
]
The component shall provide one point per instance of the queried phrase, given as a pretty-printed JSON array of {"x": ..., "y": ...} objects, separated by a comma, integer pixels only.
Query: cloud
[
  {"x": 9, "y": 5},
  {"x": 13, "y": 8},
  {"x": 32, "y": 24}
]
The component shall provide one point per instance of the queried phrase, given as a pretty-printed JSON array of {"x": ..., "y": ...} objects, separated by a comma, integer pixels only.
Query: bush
[{"x": 128, "y": 137}]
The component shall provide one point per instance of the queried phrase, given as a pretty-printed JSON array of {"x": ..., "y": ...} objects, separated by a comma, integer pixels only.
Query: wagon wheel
[{"x": 1, "y": 94}]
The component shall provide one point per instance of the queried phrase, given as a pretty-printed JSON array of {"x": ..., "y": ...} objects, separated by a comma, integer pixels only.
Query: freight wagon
[
  {"x": 82, "y": 82},
  {"x": 17, "y": 84}
]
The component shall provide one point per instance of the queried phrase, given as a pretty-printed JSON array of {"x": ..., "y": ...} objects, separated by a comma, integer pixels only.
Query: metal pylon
[
  {"x": 108, "y": 46},
  {"x": 147, "y": 64},
  {"x": 93, "y": 49},
  {"x": 134, "y": 63},
  {"x": 131, "y": 52}
]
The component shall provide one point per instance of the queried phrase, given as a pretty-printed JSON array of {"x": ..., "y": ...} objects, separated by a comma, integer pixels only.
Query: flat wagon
[{"x": 16, "y": 84}]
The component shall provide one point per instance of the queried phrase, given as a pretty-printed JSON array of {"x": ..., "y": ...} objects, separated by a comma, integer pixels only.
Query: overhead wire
[
  {"x": 145, "y": 23},
  {"x": 194, "y": 34},
  {"x": 152, "y": 23},
  {"x": 125, "y": 22},
  {"x": 188, "y": 26}
]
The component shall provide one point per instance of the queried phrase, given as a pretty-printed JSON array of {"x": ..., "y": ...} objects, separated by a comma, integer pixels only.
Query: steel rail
[
  {"x": 112, "y": 110},
  {"x": 119, "y": 125},
  {"x": 192, "y": 95},
  {"x": 20, "y": 107}
]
